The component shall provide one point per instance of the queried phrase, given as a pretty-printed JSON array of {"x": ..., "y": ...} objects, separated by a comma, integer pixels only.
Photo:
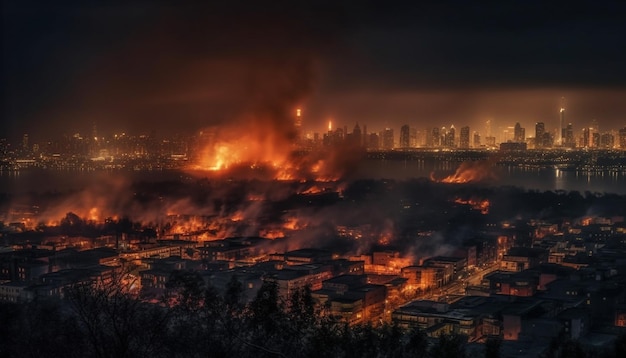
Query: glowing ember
[{"x": 477, "y": 204}]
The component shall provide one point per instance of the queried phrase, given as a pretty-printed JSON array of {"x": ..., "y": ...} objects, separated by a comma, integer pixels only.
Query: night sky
[{"x": 138, "y": 66}]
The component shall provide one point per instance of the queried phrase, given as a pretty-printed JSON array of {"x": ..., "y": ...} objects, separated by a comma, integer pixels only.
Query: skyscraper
[
  {"x": 622, "y": 138},
  {"x": 561, "y": 132},
  {"x": 569, "y": 136},
  {"x": 464, "y": 139},
  {"x": 436, "y": 137},
  {"x": 540, "y": 130},
  {"x": 298, "y": 126},
  {"x": 519, "y": 134},
  {"x": 405, "y": 136},
  {"x": 357, "y": 136},
  {"x": 388, "y": 139},
  {"x": 476, "y": 139}
]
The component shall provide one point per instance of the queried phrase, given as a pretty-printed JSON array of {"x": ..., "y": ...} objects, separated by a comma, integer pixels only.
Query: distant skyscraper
[
  {"x": 373, "y": 141},
  {"x": 464, "y": 138},
  {"x": 561, "y": 132},
  {"x": 357, "y": 136},
  {"x": 488, "y": 128},
  {"x": 622, "y": 138},
  {"x": 405, "y": 136},
  {"x": 476, "y": 139},
  {"x": 435, "y": 137},
  {"x": 540, "y": 130},
  {"x": 586, "y": 138},
  {"x": 519, "y": 133},
  {"x": 25, "y": 142},
  {"x": 569, "y": 136},
  {"x": 298, "y": 126},
  {"x": 388, "y": 139},
  {"x": 451, "y": 137}
]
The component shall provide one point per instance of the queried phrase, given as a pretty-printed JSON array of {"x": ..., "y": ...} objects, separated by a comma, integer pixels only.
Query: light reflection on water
[{"x": 549, "y": 178}]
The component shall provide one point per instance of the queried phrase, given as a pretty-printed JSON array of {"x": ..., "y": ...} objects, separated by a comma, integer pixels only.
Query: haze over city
[
  {"x": 312, "y": 179},
  {"x": 151, "y": 65}
]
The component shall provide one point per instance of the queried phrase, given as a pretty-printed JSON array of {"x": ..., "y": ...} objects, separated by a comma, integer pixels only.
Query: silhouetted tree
[{"x": 492, "y": 348}]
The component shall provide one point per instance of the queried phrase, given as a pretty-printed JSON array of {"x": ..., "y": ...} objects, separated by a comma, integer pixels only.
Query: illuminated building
[
  {"x": 464, "y": 138},
  {"x": 476, "y": 139},
  {"x": 622, "y": 138},
  {"x": 569, "y": 136},
  {"x": 540, "y": 130},
  {"x": 435, "y": 138},
  {"x": 357, "y": 136},
  {"x": 298, "y": 122},
  {"x": 519, "y": 133},
  {"x": 373, "y": 141},
  {"x": 607, "y": 140},
  {"x": 405, "y": 135},
  {"x": 586, "y": 139},
  {"x": 388, "y": 139},
  {"x": 561, "y": 132}
]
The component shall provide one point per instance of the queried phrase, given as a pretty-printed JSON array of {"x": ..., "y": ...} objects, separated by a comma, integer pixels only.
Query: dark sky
[{"x": 142, "y": 65}]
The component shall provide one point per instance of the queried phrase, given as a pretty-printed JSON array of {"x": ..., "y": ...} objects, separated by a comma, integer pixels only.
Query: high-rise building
[
  {"x": 622, "y": 138},
  {"x": 540, "y": 130},
  {"x": 357, "y": 136},
  {"x": 569, "y": 136},
  {"x": 464, "y": 138},
  {"x": 298, "y": 125},
  {"x": 594, "y": 134},
  {"x": 405, "y": 136},
  {"x": 476, "y": 139},
  {"x": 388, "y": 139},
  {"x": 586, "y": 142},
  {"x": 373, "y": 141},
  {"x": 436, "y": 137},
  {"x": 607, "y": 140},
  {"x": 519, "y": 133},
  {"x": 450, "y": 137},
  {"x": 25, "y": 142},
  {"x": 413, "y": 137},
  {"x": 561, "y": 132}
]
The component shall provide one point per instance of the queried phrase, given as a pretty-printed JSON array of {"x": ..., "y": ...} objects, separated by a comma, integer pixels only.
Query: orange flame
[
  {"x": 467, "y": 172},
  {"x": 477, "y": 204}
]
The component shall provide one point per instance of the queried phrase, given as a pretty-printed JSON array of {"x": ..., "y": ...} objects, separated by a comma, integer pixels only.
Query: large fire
[
  {"x": 481, "y": 205},
  {"x": 468, "y": 172}
]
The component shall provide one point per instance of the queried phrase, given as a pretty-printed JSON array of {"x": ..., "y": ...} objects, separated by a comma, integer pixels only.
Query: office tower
[
  {"x": 586, "y": 142},
  {"x": 540, "y": 130},
  {"x": 298, "y": 126},
  {"x": 622, "y": 138},
  {"x": 405, "y": 135},
  {"x": 450, "y": 140},
  {"x": 388, "y": 139},
  {"x": 569, "y": 136},
  {"x": 562, "y": 128},
  {"x": 476, "y": 139},
  {"x": 436, "y": 137},
  {"x": 365, "y": 136},
  {"x": 25, "y": 142},
  {"x": 519, "y": 133},
  {"x": 464, "y": 138},
  {"x": 607, "y": 140},
  {"x": 373, "y": 141},
  {"x": 357, "y": 136},
  {"x": 594, "y": 133}
]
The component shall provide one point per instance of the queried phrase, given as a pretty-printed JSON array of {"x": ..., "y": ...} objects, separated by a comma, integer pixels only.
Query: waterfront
[{"x": 546, "y": 178}]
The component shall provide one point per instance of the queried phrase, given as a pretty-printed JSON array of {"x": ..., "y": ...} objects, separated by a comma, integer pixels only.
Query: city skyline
[{"x": 188, "y": 68}]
